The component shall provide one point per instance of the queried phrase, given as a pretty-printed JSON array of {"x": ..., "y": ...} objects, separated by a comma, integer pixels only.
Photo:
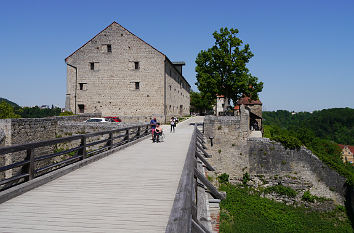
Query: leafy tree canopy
[
  {"x": 221, "y": 70},
  {"x": 199, "y": 103},
  {"x": 7, "y": 111},
  {"x": 9, "y": 102},
  {"x": 336, "y": 124}
]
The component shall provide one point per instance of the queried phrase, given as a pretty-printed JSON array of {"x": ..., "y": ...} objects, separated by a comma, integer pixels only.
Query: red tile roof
[
  {"x": 248, "y": 100},
  {"x": 351, "y": 148}
]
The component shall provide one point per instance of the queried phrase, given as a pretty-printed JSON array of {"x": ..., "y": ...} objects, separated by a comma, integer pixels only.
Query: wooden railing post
[
  {"x": 83, "y": 151},
  {"x": 110, "y": 140},
  {"x": 30, "y": 156},
  {"x": 127, "y": 136},
  {"x": 138, "y": 133}
]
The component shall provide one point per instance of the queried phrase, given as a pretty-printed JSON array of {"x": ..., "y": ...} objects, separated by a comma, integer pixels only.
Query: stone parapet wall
[
  {"x": 141, "y": 119},
  {"x": 66, "y": 129},
  {"x": 234, "y": 153},
  {"x": 26, "y": 130},
  {"x": 78, "y": 118}
]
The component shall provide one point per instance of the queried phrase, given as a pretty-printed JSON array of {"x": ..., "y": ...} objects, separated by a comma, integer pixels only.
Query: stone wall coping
[{"x": 221, "y": 118}]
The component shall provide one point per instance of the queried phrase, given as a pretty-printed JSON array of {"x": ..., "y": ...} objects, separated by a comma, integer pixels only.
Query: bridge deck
[{"x": 131, "y": 190}]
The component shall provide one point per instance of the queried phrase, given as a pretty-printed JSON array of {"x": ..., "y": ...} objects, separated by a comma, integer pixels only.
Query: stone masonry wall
[
  {"x": 77, "y": 118},
  {"x": 177, "y": 93},
  {"x": 269, "y": 159},
  {"x": 5, "y": 127},
  {"x": 229, "y": 137},
  {"x": 26, "y": 130},
  {"x": 234, "y": 153},
  {"x": 110, "y": 87}
]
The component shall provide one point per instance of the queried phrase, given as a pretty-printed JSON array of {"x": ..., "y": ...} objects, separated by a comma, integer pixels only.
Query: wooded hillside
[{"x": 335, "y": 124}]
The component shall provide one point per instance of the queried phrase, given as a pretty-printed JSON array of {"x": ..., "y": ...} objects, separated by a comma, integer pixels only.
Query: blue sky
[{"x": 304, "y": 50}]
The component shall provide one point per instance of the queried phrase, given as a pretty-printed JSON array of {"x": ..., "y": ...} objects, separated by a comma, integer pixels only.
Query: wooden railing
[
  {"x": 83, "y": 146},
  {"x": 183, "y": 217}
]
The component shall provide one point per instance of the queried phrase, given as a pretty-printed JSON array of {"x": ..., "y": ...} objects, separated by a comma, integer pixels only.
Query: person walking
[
  {"x": 173, "y": 124},
  {"x": 153, "y": 127}
]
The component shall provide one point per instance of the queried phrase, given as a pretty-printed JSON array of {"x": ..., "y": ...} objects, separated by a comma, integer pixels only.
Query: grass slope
[{"x": 245, "y": 212}]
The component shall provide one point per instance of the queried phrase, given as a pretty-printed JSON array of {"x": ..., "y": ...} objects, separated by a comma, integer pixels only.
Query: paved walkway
[{"x": 129, "y": 191}]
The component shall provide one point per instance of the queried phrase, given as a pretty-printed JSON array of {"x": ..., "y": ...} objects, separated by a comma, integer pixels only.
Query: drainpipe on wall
[
  {"x": 75, "y": 83},
  {"x": 164, "y": 92}
]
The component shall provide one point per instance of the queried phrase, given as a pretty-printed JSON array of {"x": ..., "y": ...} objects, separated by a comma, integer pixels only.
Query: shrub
[
  {"x": 223, "y": 178},
  {"x": 288, "y": 142},
  {"x": 307, "y": 196},
  {"x": 246, "y": 177},
  {"x": 66, "y": 113},
  {"x": 281, "y": 190}
]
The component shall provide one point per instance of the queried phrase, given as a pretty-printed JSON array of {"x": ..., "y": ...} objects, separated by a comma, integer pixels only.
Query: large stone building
[{"x": 118, "y": 74}]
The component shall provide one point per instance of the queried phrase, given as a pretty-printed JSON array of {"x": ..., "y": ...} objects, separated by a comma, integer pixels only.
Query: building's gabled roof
[
  {"x": 351, "y": 148},
  {"x": 114, "y": 22},
  {"x": 247, "y": 100}
]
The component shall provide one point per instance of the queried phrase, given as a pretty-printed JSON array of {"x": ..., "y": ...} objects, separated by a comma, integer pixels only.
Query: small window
[
  {"x": 109, "y": 48},
  {"x": 136, "y": 64},
  {"x": 92, "y": 65},
  {"x": 137, "y": 85},
  {"x": 81, "y": 108},
  {"x": 82, "y": 86}
]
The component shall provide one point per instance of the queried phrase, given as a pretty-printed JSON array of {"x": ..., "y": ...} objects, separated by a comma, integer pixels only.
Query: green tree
[
  {"x": 199, "y": 103},
  {"x": 7, "y": 111},
  {"x": 221, "y": 70}
]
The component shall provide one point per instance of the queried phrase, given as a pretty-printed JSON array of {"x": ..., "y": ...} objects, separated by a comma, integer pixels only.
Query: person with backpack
[{"x": 173, "y": 124}]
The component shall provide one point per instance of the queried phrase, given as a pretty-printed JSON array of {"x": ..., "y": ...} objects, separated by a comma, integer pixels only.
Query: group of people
[{"x": 156, "y": 129}]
